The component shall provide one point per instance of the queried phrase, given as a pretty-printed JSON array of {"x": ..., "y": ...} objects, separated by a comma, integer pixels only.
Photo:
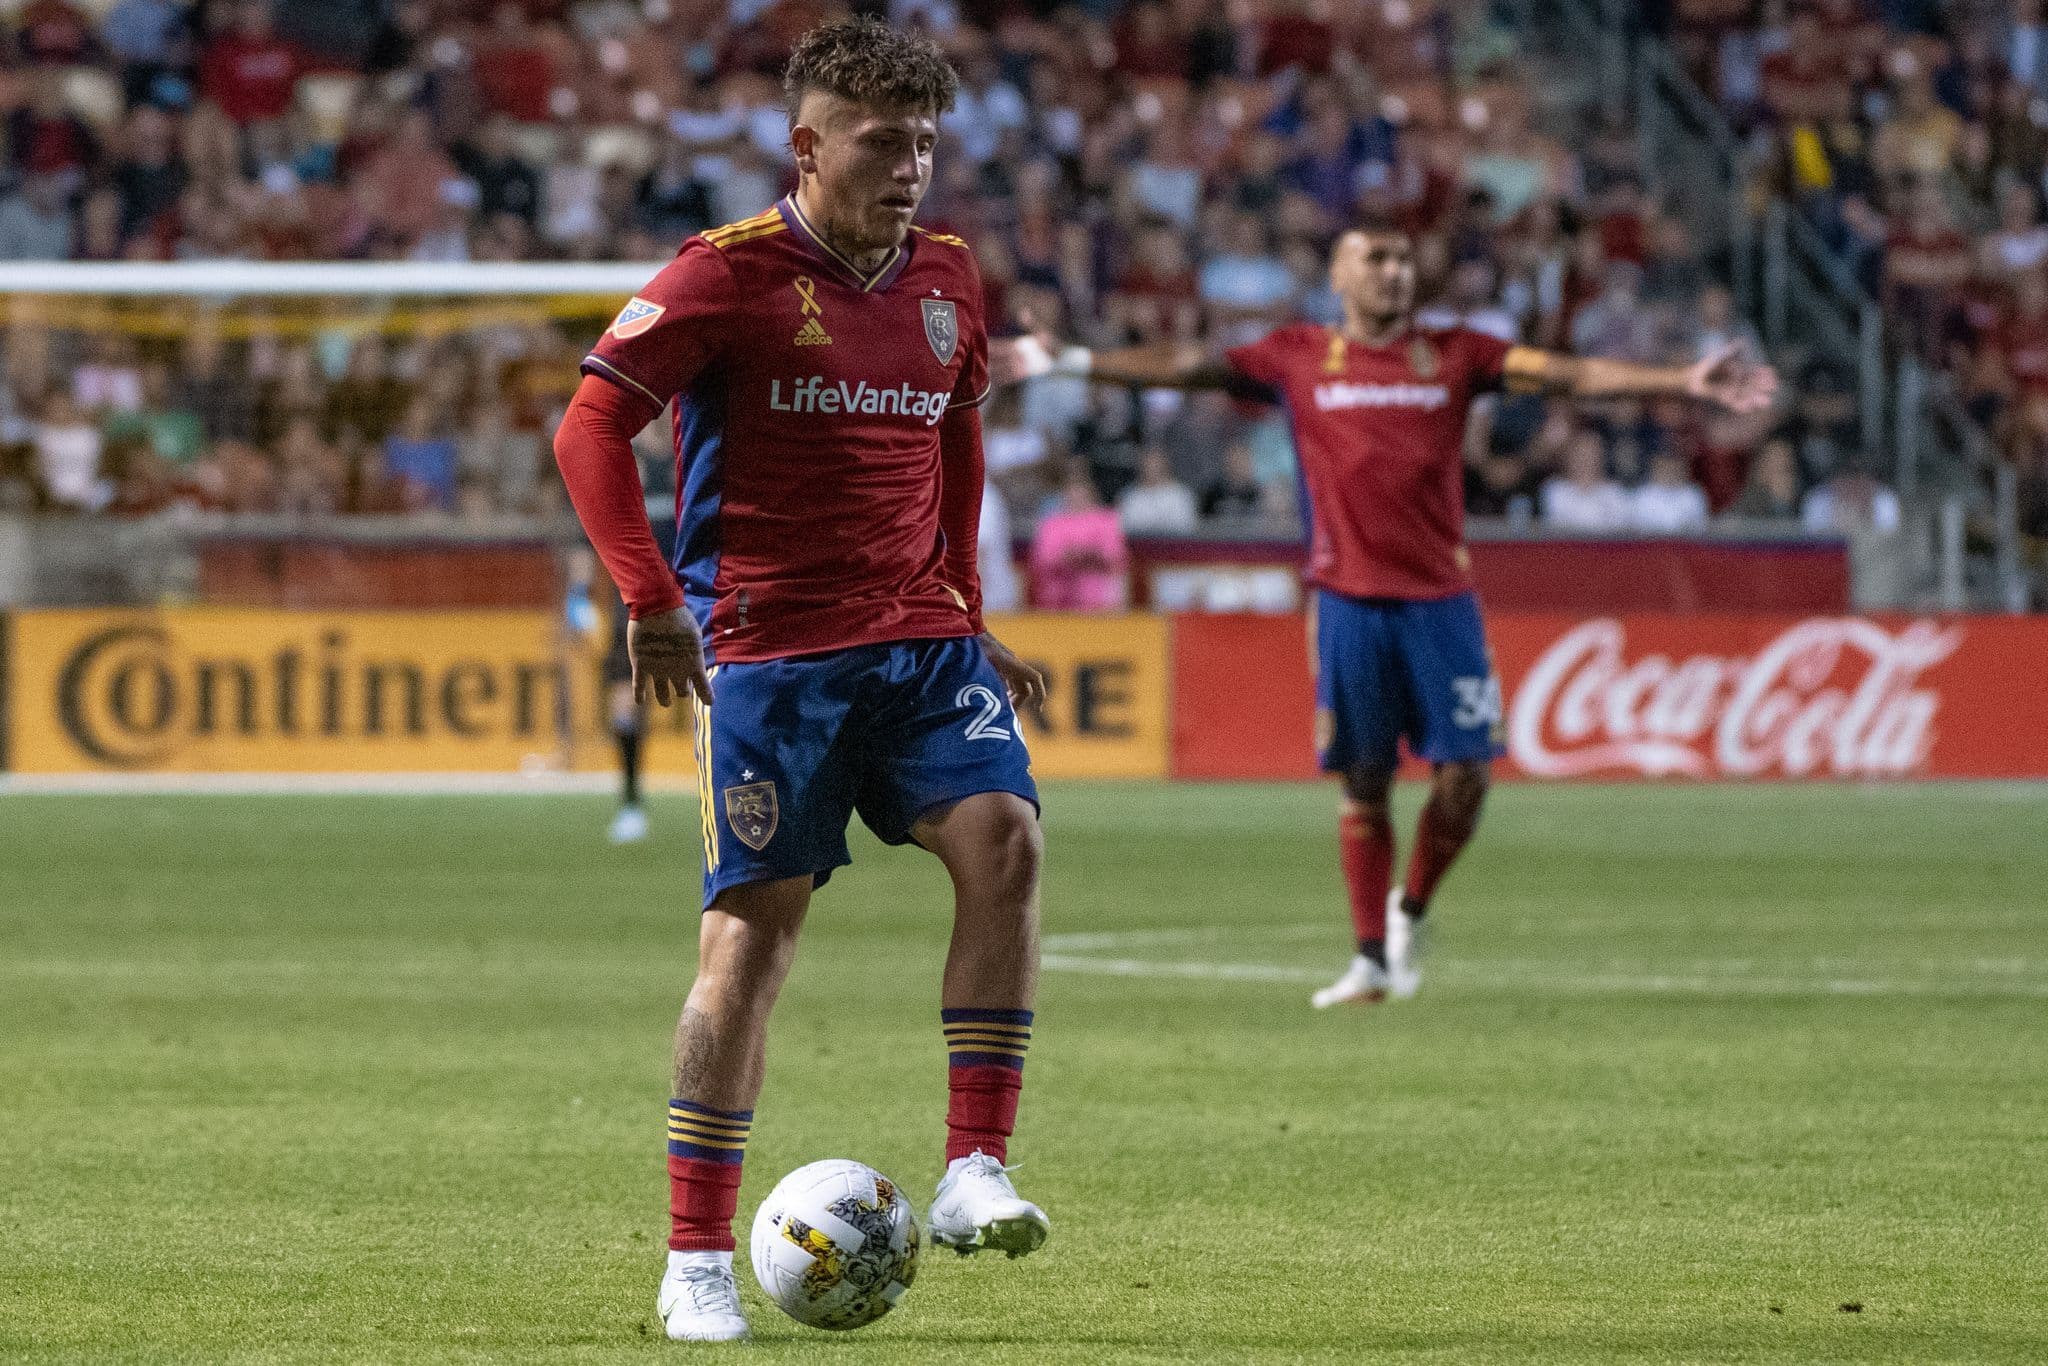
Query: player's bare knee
[
  {"x": 1368, "y": 793},
  {"x": 749, "y": 939},
  {"x": 1004, "y": 877}
]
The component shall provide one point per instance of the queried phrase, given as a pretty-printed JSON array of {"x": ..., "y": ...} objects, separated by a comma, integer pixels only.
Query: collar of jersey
[{"x": 815, "y": 240}]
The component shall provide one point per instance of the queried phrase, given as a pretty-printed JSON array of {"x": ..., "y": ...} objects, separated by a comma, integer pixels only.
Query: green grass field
[{"x": 1707, "y": 1074}]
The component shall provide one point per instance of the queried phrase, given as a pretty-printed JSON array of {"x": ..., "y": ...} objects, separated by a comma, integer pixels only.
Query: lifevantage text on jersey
[{"x": 814, "y": 394}]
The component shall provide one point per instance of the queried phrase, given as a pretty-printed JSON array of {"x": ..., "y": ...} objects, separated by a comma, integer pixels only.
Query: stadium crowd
[
  {"x": 1914, "y": 135},
  {"x": 1127, "y": 171}
]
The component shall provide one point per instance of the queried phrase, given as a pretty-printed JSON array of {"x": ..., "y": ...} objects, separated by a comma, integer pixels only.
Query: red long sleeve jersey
[{"x": 809, "y": 403}]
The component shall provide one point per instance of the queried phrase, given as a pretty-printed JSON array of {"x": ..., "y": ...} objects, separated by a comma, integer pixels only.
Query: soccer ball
[{"x": 835, "y": 1244}]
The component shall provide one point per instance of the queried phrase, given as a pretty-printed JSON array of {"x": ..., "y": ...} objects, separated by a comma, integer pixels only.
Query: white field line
[
  {"x": 327, "y": 784},
  {"x": 1735, "y": 977}
]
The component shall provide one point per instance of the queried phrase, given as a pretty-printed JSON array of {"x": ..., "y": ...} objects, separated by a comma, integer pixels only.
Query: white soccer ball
[{"x": 835, "y": 1244}]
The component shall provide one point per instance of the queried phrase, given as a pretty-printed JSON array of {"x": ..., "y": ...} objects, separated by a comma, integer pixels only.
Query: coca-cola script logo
[{"x": 1832, "y": 695}]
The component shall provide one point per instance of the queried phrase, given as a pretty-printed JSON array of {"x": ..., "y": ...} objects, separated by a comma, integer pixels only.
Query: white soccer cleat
[
  {"x": 1363, "y": 983},
  {"x": 699, "y": 1299},
  {"x": 629, "y": 826},
  {"x": 978, "y": 1210},
  {"x": 1404, "y": 947}
]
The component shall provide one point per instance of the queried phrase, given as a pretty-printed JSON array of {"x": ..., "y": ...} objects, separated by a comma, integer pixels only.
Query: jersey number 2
[{"x": 983, "y": 726}]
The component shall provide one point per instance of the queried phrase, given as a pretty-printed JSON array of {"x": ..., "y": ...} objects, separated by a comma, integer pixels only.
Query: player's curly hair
[{"x": 866, "y": 61}]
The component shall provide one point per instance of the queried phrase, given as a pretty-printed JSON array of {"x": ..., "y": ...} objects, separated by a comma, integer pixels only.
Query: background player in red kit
[
  {"x": 1378, "y": 409},
  {"x": 823, "y": 610}
]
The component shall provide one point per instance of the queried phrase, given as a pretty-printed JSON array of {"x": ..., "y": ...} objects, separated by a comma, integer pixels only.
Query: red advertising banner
[
  {"x": 1581, "y": 575},
  {"x": 1667, "y": 696}
]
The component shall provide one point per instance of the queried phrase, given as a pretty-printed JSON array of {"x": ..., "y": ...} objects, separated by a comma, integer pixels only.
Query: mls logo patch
[
  {"x": 753, "y": 813},
  {"x": 636, "y": 317},
  {"x": 941, "y": 328}
]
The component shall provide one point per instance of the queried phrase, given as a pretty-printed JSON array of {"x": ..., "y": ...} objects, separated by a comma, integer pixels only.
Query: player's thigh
[
  {"x": 1455, "y": 694},
  {"x": 1360, "y": 696},
  {"x": 775, "y": 779},
  {"x": 940, "y": 729}
]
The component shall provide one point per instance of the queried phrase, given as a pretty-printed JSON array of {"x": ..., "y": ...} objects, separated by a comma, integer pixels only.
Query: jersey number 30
[{"x": 983, "y": 726}]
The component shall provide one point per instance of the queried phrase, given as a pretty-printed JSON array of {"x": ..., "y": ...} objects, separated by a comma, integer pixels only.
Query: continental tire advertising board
[{"x": 227, "y": 690}]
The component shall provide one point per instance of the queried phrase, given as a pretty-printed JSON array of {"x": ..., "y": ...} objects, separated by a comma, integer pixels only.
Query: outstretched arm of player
[
  {"x": 1161, "y": 365},
  {"x": 962, "y": 469},
  {"x": 594, "y": 448},
  {"x": 1723, "y": 376}
]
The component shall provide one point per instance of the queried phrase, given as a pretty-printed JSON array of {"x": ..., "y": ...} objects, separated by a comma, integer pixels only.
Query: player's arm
[
  {"x": 1723, "y": 376},
  {"x": 594, "y": 449},
  {"x": 962, "y": 469},
  {"x": 661, "y": 341},
  {"x": 1160, "y": 365}
]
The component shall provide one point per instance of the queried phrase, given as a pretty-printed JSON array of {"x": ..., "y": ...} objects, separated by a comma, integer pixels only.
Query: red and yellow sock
[
  {"x": 1438, "y": 843},
  {"x": 705, "y": 1149},
  {"x": 984, "y": 1074},
  {"x": 1366, "y": 844}
]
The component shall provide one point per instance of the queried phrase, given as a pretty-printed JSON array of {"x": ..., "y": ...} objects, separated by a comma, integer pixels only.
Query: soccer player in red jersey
[
  {"x": 1378, "y": 409},
  {"x": 822, "y": 612}
]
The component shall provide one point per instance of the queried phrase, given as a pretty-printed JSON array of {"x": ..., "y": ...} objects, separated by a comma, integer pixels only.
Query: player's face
[
  {"x": 1374, "y": 273},
  {"x": 871, "y": 166}
]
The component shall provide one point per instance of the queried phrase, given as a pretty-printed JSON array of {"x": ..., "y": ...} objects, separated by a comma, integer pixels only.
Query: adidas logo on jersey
[
  {"x": 812, "y": 333},
  {"x": 814, "y": 395}
]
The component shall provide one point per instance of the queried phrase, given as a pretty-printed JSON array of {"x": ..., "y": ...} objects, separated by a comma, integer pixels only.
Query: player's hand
[
  {"x": 1025, "y": 684},
  {"x": 1012, "y": 360},
  {"x": 668, "y": 658},
  {"x": 1726, "y": 378}
]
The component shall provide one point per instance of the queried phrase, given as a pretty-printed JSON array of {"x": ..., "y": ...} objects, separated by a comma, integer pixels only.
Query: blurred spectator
[
  {"x": 1852, "y": 501},
  {"x": 1772, "y": 491},
  {"x": 2019, "y": 246},
  {"x": 402, "y": 187},
  {"x": 35, "y": 221},
  {"x": 505, "y": 182},
  {"x": 422, "y": 456},
  {"x": 109, "y": 378},
  {"x": 1920, "y": 139},
  {"x": 1079, "y": 562},
  {"x": 1583, "y": 498},
  {"x": 506, "y": 460},
  {"x": 171, "y": 433},
  {"x": 313, "y": 479},
  {"x": 1000, "y": 589},
  {"x": 1615, "y": 326},
  {"x": 1499, "y": 485},
  {"x": 53, "y": 33},
  {"x": 1236, "y": 491},
  {"x": 1927, "y": 261},
  {"x": 1668, "y": 501},
  {"x": 67, "y": 455},
  {"x": 1245, "y": 276},
  {"x": 146, "y": 37},
  {"x": 1156, "y": 504},
  {"x": 247, "y": 71},
  {"x": 1716, "y": 324}
]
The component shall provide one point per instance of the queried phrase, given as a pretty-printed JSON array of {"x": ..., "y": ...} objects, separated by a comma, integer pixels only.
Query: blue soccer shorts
[
  {"x": 790, "y": 749},
  {"x": 1389, "y": 669}
]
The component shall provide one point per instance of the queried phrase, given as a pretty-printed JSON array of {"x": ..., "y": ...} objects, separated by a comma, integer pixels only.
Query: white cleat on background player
[
  {"x": 1363, "y": 983},
  {"x": 1404, "y": 947},
  {"x": 629, "y": 826},
  {"x": 700, "y": 1300},
  {"x": 978, "y": 1210}
]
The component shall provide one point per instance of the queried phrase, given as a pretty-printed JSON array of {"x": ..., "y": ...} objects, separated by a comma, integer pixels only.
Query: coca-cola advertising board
[{"x": 1668, "y": 696}]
